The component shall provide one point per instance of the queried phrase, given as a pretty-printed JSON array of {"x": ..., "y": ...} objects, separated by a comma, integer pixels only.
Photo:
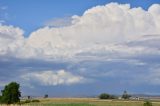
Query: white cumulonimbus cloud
[
  {"x": 111, "y": 23},
  {"x": 51, "y": 78},
  {"x": 101, "y": 30}
]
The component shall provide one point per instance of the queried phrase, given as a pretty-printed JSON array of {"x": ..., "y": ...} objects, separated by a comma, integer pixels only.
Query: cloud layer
[{"x": 53, "y": 78}]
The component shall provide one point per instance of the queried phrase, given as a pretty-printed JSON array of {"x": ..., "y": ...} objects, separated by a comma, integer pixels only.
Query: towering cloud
[{"x": 98, "y": 27}]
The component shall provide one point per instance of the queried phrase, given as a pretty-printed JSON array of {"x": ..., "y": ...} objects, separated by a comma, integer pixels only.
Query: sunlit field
[{"x": 88, "y": 102}]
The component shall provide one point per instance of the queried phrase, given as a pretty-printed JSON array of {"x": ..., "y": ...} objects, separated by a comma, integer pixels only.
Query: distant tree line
[{"x": 125, "y": 95}]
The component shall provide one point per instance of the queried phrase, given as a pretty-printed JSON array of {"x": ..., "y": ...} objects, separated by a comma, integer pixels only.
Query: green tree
[
  {"x": 126, "y": 95},
  {"x": 11, "y": 93},
  {"x": 106, "y": 96}
]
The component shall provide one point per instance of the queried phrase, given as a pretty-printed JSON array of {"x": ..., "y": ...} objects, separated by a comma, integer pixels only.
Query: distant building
[
  {"x": 134, "y": 98},
  {"x": 26, "y": 97},
  {"x": 120, "y": 97}
]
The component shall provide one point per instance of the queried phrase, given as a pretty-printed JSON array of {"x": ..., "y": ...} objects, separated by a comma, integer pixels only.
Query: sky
[
  {"x": 31, "y": 15},
  {"x": 80, "y": 47}
]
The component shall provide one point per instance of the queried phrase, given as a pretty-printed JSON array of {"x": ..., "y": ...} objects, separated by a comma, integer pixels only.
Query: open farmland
[{"x": 88, "y": 102}]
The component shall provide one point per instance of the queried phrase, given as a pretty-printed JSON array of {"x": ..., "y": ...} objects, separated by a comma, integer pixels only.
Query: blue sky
[
  {"x": 31, "y": 15},
  {"x": 70, "y": 48}
]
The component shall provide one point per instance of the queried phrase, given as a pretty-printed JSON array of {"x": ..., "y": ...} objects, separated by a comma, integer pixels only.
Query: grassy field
[{"x": 88, "y": 102}]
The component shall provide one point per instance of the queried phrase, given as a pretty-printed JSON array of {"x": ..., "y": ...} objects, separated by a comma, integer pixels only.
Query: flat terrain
[{"x": 89, "y": 102}]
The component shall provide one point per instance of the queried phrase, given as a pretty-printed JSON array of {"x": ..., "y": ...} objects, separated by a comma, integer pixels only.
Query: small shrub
[
  {"x": 27, "y": 101},
  {"x": 35, "y": 100},
  {"x": 147, "y": 103}
]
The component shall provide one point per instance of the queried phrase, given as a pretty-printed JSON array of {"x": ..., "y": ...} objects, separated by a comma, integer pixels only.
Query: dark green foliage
[
  {"x": 35, "y": 100},
  {"x": 11, "y": 93},
  {"x": 126, "y": 95},
  {"x": 0, "y": 98},
  {"x": 106, "y": 96},
  {"x": 27, "y": 101},
  {"x": 147, "y": 103}
]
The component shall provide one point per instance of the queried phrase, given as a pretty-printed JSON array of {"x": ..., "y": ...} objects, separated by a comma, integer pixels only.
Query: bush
[
  {"x": 106, "y": 96},
  {"x": 35, "y": 100},
  {"x": 27, "y": 101},
  {"x": 147, "y": 103}
]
